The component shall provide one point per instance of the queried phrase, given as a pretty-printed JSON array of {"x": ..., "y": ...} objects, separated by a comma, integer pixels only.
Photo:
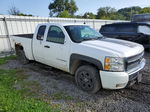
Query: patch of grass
[
  {"x": 20, "y": 76},
  {"x": 12, "y": 100},
  {"x": 30, "y": 88},
  {"x": 5, "y": 59},
  {"x": 61, "y": 96}
]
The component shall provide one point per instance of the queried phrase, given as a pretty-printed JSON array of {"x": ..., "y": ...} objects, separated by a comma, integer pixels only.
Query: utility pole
[{"x": 131, "y": 14}]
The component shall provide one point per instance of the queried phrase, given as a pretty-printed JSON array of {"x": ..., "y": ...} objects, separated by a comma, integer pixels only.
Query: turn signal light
[{"x": 107, "y": 64}]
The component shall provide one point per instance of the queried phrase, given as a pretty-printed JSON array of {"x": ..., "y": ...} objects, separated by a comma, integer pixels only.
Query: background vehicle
[
  {"x": 95, "y": 61},
  {"x": 136, "y": 31},
  {"x": 145, "y": 18}
]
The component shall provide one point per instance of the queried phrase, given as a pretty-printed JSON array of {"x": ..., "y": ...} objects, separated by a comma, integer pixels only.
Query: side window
[
  {"x": 56, "y": 35},
  {"x": 41, "y": 31}
]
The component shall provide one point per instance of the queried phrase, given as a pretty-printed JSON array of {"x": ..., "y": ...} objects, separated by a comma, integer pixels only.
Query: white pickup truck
[{"x": 96, "y": 61}]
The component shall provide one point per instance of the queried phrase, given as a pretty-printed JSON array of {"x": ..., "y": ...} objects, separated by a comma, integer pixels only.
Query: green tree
[
  {"x": 56, "y": 7},
  {"x": 73, "y": 7},
  {"x": 89, "y": 15},
  {"x": 129, "y": 12},
  {"x": 79, "y": 16},
  {"x": 106, "y": 13},
  {"x": 64, "y": 14},
  {"x": 59, "y": 6},
  {"x": 22, "y": 14},
  {"x": 116, "y": 16},
  {"x": 145, "y": 10}
]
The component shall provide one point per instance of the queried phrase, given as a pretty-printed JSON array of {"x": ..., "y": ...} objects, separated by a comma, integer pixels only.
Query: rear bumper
[{"x": 119, "y": 80}]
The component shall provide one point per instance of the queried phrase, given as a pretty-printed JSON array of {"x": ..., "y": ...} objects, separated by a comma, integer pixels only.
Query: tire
[
  {"x": 88, "y": 79},
  {"x": 21, "y": 56}
]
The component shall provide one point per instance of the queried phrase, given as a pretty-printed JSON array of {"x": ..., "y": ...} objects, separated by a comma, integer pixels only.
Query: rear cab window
[{"x": 40, "y": 33}]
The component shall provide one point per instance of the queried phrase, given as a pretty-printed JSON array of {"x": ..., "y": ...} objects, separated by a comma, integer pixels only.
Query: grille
[{"x": 134, "y": 61}]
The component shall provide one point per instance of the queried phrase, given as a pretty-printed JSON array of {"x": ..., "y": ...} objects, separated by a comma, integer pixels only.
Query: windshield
[{"x": 79, "y": 33}]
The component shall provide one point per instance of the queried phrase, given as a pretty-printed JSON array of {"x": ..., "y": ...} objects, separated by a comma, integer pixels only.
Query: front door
[{"x": 55, "y": 48}]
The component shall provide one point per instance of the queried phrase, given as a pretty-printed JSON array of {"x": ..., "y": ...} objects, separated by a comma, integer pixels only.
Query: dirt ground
[{"x": 59, "y": 88}]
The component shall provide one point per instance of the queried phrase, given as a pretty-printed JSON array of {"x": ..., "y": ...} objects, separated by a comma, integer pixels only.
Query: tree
[
  {"x": 22, "y": 14},
  {"x": 121, "y": 14},
  {"x": 73, "y": 7},
  {"x": 58, "y": 6},
  {"x": 106, "y": 13},
  {"x": 79, "y": 16},
  {"x": 145, "y": 10},
  {"x": 129, "y": 12},
  {"x": 89, "y": 15},
  {"x": 14, "y": 11},
  {"x": 64, "y": 14}
]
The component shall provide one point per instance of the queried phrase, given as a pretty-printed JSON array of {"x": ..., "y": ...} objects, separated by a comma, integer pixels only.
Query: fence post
[
  {"x": 7, "y": 34},
  {"x": 48, "y": 20},
  {"x": 93, "y": 24}
]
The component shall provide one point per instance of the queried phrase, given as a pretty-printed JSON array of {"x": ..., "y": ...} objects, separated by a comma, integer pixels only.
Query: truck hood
[{"x": 118, "y": 47}]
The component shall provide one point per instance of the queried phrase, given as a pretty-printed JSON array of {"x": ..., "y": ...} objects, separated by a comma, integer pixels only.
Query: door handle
[{"x": 46, "y": 46}]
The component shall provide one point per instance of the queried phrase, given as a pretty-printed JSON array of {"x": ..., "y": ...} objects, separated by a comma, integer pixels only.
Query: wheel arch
[
  {"x": 77, "y": 60},
  {"x": 18, "y": 46}
]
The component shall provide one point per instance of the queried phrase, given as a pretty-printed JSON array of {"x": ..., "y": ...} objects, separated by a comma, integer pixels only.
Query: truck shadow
[{"x": 134, "y": 93}]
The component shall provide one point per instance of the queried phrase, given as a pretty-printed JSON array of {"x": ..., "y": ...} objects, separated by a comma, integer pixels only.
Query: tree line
[{"x": 68, "y": 8}]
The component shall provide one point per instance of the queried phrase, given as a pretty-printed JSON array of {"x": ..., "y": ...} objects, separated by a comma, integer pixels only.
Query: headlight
[{"x": 114, "y": 64}]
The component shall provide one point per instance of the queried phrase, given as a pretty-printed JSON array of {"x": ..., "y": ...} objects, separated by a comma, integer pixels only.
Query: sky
[{"x": 40, "y": 7}]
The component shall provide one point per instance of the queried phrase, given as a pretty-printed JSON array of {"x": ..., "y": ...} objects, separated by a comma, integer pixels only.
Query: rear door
[{"x": 38, "y": 43}]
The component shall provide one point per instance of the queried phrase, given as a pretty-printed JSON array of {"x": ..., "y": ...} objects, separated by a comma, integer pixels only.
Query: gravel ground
[{"x": 53, "y": 81}]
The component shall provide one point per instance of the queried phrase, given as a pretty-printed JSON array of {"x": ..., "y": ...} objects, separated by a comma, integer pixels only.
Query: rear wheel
[
  {"x": 88, "y": 79},
  {"x": 21, "y": 55}
]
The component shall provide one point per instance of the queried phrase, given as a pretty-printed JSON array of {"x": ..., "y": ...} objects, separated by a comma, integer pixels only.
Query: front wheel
[{"x": 88, "y": 79}]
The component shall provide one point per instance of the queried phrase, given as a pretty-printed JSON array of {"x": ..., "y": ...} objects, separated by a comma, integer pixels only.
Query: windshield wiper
[
  {"x": 86, "y": 39},
  {"x": 100, "y": 37}
]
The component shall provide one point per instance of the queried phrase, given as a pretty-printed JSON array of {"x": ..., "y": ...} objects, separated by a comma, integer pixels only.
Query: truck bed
[
  {"x": 26, "y": 41},
  {"x": 25, "y": 35}
]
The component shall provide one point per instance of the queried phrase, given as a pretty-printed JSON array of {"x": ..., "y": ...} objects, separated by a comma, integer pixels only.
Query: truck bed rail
[{"x": 25, "y": 35}]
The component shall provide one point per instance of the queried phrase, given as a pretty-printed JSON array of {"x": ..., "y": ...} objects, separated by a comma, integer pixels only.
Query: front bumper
[{"x": 119, "y": 80}]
